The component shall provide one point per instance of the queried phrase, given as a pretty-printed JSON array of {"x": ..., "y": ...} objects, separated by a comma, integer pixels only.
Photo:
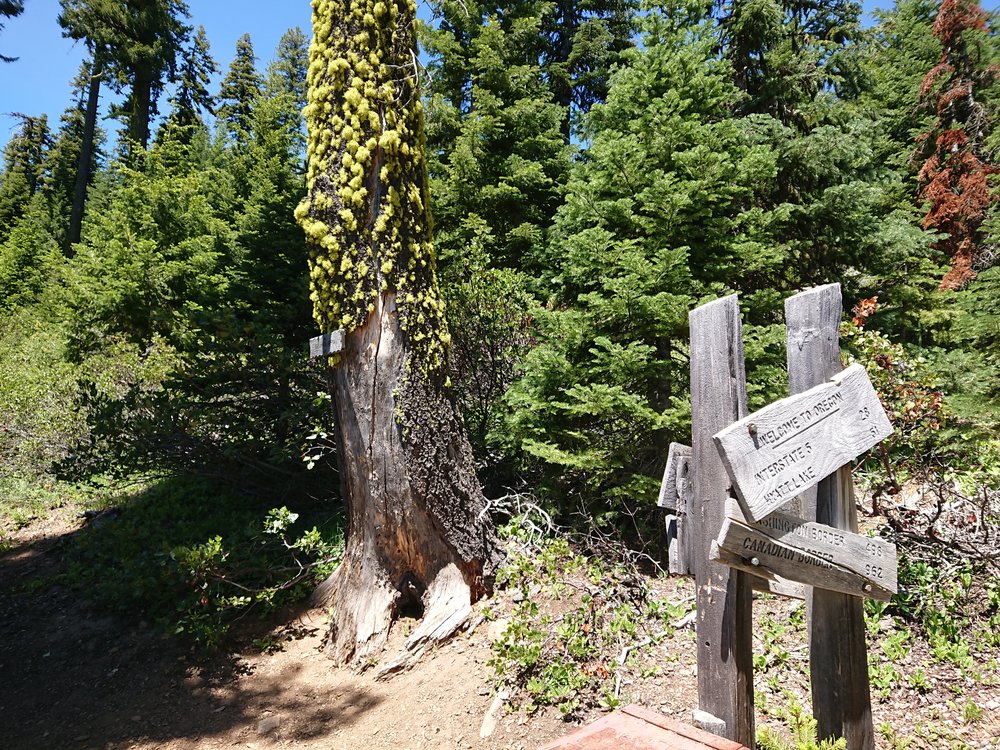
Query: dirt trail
[{"x": 76, "y": 678}]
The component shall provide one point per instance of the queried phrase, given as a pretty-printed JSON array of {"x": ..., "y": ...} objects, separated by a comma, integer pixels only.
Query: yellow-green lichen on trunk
[{"x": 366, "y": 215}]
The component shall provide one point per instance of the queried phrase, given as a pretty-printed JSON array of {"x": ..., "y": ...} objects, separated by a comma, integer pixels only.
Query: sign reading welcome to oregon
[{"x": 789, "y": 446}]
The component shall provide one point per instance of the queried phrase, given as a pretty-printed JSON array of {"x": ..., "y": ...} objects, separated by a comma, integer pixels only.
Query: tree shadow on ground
[{"x": 77, "y": 675}]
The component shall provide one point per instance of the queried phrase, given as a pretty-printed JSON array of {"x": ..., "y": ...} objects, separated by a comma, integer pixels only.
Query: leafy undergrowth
[
  {"x": 585, "y": 633},
  {"x": 193, "y": 556},
  {"x": 933, "y": 660},
  {"x": 579, "y": 625}
]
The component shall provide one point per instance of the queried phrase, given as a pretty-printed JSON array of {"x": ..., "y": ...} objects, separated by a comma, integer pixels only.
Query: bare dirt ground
[{"x": 75, "y": 678}]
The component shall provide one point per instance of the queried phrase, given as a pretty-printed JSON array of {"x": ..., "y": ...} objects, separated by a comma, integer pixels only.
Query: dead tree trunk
[{"x": 419, "y": 538}]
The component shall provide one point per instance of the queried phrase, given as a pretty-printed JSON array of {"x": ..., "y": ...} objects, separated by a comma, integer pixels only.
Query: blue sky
[{"x": 39, "y": 82}]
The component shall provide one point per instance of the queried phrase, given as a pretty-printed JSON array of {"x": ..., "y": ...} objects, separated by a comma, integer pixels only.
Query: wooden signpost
[
  {"x": 723, "y": 595},
  {"x": 838, "y": 656},
  {"x": 327, "y": 344},
  {"x": 785, "y": 514}
]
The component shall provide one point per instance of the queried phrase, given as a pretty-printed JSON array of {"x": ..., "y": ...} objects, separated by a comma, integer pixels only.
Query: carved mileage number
[
  {"x": 874, "y": 550},
  {"x": 866, "y": 414},
  {"x": 873, "y": 570}
]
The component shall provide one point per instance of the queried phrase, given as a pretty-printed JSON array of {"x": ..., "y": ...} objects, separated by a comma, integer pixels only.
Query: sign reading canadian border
[
  {"x": 790, "y": 445},
  {"x": 811, "y": 553}
]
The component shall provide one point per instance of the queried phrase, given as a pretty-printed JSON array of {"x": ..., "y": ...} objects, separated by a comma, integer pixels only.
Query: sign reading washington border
[
  {"x": 871, "y": 558},
  {"x": 789, "y": 446},
  {"x": 810, "y": 553}
]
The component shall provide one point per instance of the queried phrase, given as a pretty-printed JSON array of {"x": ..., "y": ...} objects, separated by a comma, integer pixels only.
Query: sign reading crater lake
[{"x": 790, "y": 445}]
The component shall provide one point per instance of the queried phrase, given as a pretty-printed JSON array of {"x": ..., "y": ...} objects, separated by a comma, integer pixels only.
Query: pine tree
[
  {"x": 286, "y": 82},
  {"x": 785, "y": 53},
  {"x": 25, "y": 169},
  {"x": 287, "y": 73},
  {"x": 901, "y": 51},
  {"x": 277, "y": 289},
  {"x": 138, "y": 41},
  {"x": 10, "y": 9},
  {"x": 240, "y": 89},
  {"x": 192, "y": 97},
  {"x": 584, "y": 40},
  {"x": 498, "y": 159},
  {"x": 27, "y": 206},
  {"x": 955, "y": 162},
  {"x": 573, "y": 43},
  {"x": 70, "y": 163},
  {"x": 418, "y": 533}
]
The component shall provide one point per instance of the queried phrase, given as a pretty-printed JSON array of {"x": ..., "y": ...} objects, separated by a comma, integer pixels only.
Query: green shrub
[{"x": 193, "y": 556}]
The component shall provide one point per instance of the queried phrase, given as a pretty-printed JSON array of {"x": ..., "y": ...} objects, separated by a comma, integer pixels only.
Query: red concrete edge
[
  {"x": 624, "y": 730},
  {"x": 707, "y": 739}
]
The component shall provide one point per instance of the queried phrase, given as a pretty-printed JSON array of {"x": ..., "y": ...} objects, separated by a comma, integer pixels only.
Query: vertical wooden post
[
  {"x": 838, "y": 657},
  {"x": 724, "y": 596}
]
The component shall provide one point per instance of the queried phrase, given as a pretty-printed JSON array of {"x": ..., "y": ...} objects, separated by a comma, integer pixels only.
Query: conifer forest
[{"x": 523, "y": 200}]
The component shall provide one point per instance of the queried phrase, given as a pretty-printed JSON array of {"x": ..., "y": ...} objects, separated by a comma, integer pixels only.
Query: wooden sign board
[
  {"x": 327, "y": 344},
  {"x": 780, "y": 587},
  {"x": 675, "y": 492},
  {"x": 675, "y": 473},
  {"x": 811, "y": 553},
  {"x": 789, "y": 446}
]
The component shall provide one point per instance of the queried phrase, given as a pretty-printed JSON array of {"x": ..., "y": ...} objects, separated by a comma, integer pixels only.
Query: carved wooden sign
[
  {"x": 675, "y": 492},
  {"x": 790, "y": 445},
  {"x": 781, "y": 546}
]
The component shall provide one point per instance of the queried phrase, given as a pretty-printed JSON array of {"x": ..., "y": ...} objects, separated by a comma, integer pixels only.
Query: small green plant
[
  {"x": 775, "y": 654},
  {"x": 894, "y": 741},
  {"x": 971, "y": 712},
  {"x": 874, "y": 611},
  {"x": 883, "y": 677},
  {"x": 896, "y": 645},
  {"x": 803, "y": 730},
  {"x": 947, "y": 648},
  {"x": 917, "y": 680},
  {"x": 269, "y": 644}
]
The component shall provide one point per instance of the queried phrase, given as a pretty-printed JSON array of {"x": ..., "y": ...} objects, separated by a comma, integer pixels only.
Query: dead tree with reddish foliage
[{"x": 954, "y": 164}]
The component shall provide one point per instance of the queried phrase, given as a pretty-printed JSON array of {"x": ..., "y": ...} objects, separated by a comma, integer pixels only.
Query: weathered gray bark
[
  {"x": 419, "y": 539},
  {"x": 86, "y": 153}
]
